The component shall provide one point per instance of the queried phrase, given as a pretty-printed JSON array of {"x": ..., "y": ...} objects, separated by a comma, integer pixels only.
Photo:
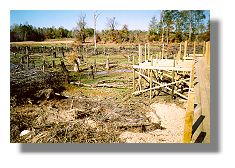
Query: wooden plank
[
  {"x": 197, "y": 123},
  {"x": 201, "y": 137},
  {"x": 203, "y": 74},
  {"x": 164, "y": 68},
  {"x": 189, "y": 118},
  {"x": 191, "y": 56}
]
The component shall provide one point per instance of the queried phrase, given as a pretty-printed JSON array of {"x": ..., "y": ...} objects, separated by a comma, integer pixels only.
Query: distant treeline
[
  {"x": 26, "y": 32},
  {"x": 172, "y": 26}
]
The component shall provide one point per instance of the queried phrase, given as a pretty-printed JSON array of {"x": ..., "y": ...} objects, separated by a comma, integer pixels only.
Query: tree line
[
  {"x": 177, "y": 26},
  {"x": 26, "y": 32},
  {"x": 171, "y": 26}
]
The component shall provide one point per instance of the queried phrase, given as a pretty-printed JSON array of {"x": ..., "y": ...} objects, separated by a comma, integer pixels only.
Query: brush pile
[{"x": 33, "y": 84}]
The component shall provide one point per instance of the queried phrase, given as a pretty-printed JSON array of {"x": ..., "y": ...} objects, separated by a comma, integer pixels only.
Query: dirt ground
[
  {"x": 46, "y": 110},
  {"x": 97, "y": 116}
]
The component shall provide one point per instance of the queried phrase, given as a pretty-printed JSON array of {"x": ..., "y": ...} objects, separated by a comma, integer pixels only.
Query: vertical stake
[
  {"x": 145, "y": 52},
  {"x": 162, "y": 50},
  {"x": 148, "y": 52},
  {"x": 185, "y": 48},
  {"x": 194, "y": 51},
  {"x": 139, "y": 54},
  {"x": 133, "y": 80}
]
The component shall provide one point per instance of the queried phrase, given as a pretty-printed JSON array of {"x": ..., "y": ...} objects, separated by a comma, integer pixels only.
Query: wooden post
[
  {"x": 140, "y": 54},
  {"x": 27, "y": 58},
  {"x": 204, "y": 49},
  {"x": 53, "y": 61},
  {"x": 76, "y": 66},
  {"x": 189, "y": 118},
  {"x": 43, "y": 62},
  {"x": 173, "y": 87},
  {"x": 167, "y": 48},
  {"x": 86, "y": 54},
  {"x": 145, "y": 52},
  {"x": 54, "y": 54},
  {"x": 107, "y": 63},
  {"x": 133, "y": 80},
  {"x": 151, "y": 71},
  {"x": 139, "y": 80},
  {"x": 65, "y": 71},
  {"x": 27, "y": 61},
  {"x": 162, "y": 50},
  {"x": 148, "y": 52},
  {"x": 43, "y": 65},
  {"x": 185, "y": 48},
  {"x": 208, "y": 53},
  {"x": 194, "y": 50},
  {"x": 151, "y": 82},
  {"x": 133, "y": 60},
  {"x": 191, "y": 85},
  {"x": 22, "y": 59},
  {"x": 151, "y": 59},
  {"x": 95, "y": 66},
  {"x": 92, "y": 72},
  {"x": 33, "y": 62},
  {"x": 173, "y": 80},
  {"x": 178, "y": 57},
  {"x": 128, "y": 58},
  {"x": 180, "y": 48}
]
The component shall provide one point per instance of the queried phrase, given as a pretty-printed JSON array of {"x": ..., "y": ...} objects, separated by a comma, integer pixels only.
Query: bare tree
[
  {"x": 96, "y": 15},
  {"x": 112, "y": 23},
  {"x": 81, "y": 34},
  {"x": 162, "y": 23}
]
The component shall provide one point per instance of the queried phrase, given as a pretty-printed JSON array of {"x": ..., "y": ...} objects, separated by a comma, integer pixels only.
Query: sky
[{"x": 135, "y": 19}]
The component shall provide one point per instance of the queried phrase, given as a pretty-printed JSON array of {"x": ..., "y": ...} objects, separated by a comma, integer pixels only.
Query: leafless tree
[
  {"x": 162, "y": 22},
  {"x": 96, "y": 15},
  {"x": 112, "y": 23},
  {"x": 80, "y": 33}
]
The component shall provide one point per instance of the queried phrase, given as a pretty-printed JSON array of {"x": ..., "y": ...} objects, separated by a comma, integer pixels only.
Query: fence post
[
  {"x": 185, "y": 48},
  {"x": 163, "y": 50},
  {"x": 208, "y": 53},
  {"x": 27, "y": 58}
]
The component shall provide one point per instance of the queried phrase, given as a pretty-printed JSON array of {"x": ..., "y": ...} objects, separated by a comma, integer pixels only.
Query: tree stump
[{"x": 65, "y": 71}]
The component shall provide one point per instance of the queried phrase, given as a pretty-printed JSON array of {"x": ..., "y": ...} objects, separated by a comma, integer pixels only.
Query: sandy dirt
[{"x": 171, "y": 118}]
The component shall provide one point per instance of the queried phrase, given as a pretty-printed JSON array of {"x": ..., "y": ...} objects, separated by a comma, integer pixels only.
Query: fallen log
[{"x": 140, "y": 127}]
